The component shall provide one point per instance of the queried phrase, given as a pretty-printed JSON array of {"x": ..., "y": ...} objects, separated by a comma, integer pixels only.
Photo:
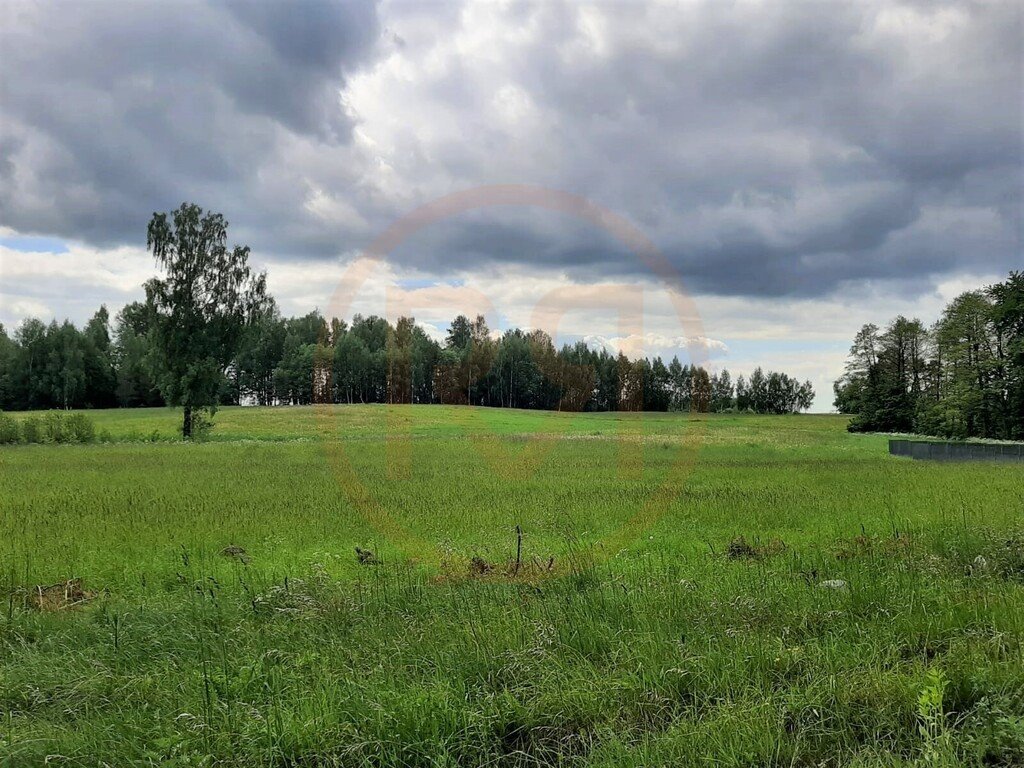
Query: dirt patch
[
  {"x": 524, "y": 571},
  {"x": 366, "y": 557},
  {"x": 740, "y": 549},
  {"x": 236, "y": 552},
  {"x": 479, "y": 567},
  {"x": 59, "y": 597},
  {"x": 531, "y": 568},
  {"x": 543, "y": 744}
]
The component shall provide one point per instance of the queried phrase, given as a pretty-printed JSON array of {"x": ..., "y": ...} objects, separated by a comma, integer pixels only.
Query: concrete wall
[{"x": 943, "y": 451}]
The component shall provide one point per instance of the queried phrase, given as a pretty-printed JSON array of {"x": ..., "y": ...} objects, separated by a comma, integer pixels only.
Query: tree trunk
[{"x": 186, "y": 427}]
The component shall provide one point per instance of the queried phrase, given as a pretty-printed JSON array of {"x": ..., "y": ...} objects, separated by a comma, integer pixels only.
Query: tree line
[
  {"x": 303, "y": 360},
  {"x": 209, "y": 334},
  {"x": 961, "y": 377}
]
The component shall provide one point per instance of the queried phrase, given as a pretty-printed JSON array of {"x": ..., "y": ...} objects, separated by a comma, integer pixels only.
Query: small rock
[{"x": 833, "y": 584}]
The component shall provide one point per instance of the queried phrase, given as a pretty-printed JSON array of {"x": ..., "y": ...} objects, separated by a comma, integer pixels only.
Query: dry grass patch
[{"x": 58, "y": 597}]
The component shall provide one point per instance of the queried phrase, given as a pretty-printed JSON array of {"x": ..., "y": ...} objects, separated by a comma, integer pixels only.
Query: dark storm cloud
[
  {"x": 780, "y": 148},
  {"x": 769, "y": 149},
  {"x": 113, "y": 110}
]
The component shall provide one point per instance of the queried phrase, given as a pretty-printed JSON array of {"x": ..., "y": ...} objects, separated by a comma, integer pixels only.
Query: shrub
[
  {"x": 80, "y": 428},
  {"x": 54, "y": 428},
  {"x": 9, "y": 432},
  {"x": 202, "y": 424},
  {"x": 32, "y": 430}
]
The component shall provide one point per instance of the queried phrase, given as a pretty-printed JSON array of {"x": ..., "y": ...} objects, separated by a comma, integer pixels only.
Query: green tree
[
  {"x": 201, "y": 307},
  {"x": 576, "y": 377},
  {"x": 101, "y": 376},
  {"x": 968, "y": 347},
  {"x": 742, "y": 394},
  {"x": 805, "y": 396},
  {"x": 657, "y": 386},
  {"x": 851, "y": 389},
  {"x": 261, "y": 352},
  {"x": 372, "y": 370},
  {"x": 1008, "y": 319},
  {"x": 460, "y": 333},
  {"x": 700, "y": 391},
  {"x": 135, "y": 385},
  {"x": 518, "y": 377},
  {"x": 8, "y": 357},
  {"x": 400, "y": 361},
  {"x": 722, "y": 392},
  {"x": 963, "y": 378},
  {"x": 351, "y": 361},
  {"x": 425, "y": 353},
  {"x": 28, "y": 385},
  {"x": 293, "y": 376},
  {"x": 757, "y": 391},
  {"x": 885, "y": 377},
  {"x": 469, "y": 343},
  {"x": 65, "y": 369}
]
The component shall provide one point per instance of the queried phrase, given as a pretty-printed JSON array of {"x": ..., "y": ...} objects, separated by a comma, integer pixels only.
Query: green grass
[{"x": 643, "y": 645}]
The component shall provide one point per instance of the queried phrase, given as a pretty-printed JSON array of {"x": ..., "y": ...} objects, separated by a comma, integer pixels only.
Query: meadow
[{"x": 530, "y": 589}]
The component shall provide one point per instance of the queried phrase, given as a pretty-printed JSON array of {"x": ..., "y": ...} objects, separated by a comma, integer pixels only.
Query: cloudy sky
[{"x": 802, "y": 167}]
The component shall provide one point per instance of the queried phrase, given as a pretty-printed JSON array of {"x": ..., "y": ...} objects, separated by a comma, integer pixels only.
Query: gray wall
[{"x": 943, "y": 451}]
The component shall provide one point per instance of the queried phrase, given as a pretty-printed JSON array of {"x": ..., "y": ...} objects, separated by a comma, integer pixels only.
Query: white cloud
[
  {"x": 14, "y": 308},
  {"x": 655, "y": 344}
]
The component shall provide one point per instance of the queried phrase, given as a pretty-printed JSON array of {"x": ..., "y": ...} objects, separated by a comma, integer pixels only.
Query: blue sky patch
[{"x": 28, "y": 244}]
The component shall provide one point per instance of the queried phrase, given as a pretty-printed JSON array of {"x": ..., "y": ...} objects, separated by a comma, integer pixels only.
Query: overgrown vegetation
[
  {"x": 51, "y": 427},
  {"x": 963, "y": 377},
  {"x": 803, "y": 600}
]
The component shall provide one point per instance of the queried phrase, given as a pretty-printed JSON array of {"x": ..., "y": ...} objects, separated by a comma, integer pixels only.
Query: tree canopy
[
  {"x": 308, "y": 359},
  {"x": 198, "y": 312},
  {"x": 962, "y": 377}
]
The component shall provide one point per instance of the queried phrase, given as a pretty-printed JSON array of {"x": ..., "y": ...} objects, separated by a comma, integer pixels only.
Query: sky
[{"x": 797, "y": 169}]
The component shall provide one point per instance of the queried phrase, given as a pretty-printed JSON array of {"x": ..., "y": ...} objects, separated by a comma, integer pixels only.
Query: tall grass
[{"x": 672, "y": 649}]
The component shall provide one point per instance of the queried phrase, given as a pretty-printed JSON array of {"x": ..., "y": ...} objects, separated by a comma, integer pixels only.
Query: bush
[
  {"x": 80, "y": 428},
  {"x": 32, "y": 430},
  {"x": 54, "y": 428},
  {"x": 9, "y": 432},
  {"x": 202, "y": 424}
]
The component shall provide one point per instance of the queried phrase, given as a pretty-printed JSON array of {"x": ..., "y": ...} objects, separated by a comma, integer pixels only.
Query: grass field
[{"x": 726, "y": 590}]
